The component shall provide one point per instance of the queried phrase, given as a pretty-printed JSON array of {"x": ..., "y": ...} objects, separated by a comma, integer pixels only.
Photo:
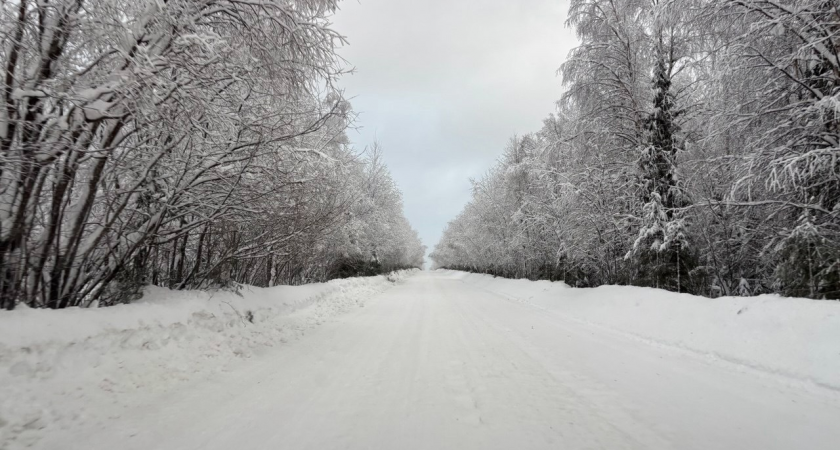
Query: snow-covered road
[{"x": 435, "y": 363}]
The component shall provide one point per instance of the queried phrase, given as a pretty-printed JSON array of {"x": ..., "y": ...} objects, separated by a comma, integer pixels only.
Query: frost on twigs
[
  {"x": 696, "y": 148},
  {"x": 185, "y": 144}
]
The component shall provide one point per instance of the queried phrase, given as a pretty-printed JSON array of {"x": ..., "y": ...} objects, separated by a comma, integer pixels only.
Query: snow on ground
[
  {"x": 62, "y": 368},
  {"x": 798, "y": 339},
  {"x": 443, "y": 360}
]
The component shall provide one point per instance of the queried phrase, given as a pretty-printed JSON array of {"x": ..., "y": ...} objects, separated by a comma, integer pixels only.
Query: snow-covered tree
[
  {"x": 695, "y": 149},
  {"x": 662, "y": 248},
  {"x": 186, "y": 143}
]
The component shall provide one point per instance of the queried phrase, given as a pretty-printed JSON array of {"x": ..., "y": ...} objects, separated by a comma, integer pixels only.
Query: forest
[
  {"x": 190, "y": 144},
  {"x": 695, "y": 149}
]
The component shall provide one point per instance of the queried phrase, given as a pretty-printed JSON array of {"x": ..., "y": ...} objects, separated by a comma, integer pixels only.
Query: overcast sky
[{"x": 444, "y": 84}]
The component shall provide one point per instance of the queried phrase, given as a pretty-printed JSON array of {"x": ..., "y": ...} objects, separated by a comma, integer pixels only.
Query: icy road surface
[{"x": 437, "y": 364}]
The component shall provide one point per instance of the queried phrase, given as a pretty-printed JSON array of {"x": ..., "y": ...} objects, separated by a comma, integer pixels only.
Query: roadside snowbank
[
  {"x": 792, "y": 337},
  {"x": 54, "y": 363}
]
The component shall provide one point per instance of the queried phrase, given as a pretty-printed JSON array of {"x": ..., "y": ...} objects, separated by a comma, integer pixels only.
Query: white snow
[
  {"x": 443, "y": 360},
  {"x": 18, "y": 94},
  {"x": 794, "y": 337},
  {"x": 61, "y": 368},
  {"x": 98, "y": 109}
]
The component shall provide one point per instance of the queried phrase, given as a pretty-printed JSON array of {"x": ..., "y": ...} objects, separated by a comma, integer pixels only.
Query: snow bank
[
  {"x": 54, "y": 363},
  {"x": 792, "y": 337}
]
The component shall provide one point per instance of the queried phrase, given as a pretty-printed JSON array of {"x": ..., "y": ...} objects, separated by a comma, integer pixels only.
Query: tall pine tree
[{"x": 661, "y": 248}]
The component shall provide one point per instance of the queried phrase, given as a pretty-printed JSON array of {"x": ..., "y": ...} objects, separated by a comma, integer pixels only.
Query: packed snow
[
  {"x": 59, "y": 369},
  {"x": 438, "y": 359},
  {"x": 792, "y": 337}
]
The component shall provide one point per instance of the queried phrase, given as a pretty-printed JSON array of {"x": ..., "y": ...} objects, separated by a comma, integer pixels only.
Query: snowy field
[{"x": 430, "y": 360}]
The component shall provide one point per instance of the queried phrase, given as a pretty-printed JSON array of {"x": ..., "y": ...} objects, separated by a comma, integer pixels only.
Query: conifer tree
[{"x": 661, "y": 247}]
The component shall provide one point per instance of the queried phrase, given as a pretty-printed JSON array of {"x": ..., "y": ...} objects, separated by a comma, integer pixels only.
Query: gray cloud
[{"x": 443, "y": 85}]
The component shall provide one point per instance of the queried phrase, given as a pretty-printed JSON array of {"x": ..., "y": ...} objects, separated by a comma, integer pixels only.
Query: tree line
[
  {"x": 182, "y": 143},
  {"x": 695, "y": 149}
]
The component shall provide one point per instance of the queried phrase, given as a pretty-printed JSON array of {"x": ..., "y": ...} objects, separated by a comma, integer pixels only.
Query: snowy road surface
[{"x": 437, "y": 364}]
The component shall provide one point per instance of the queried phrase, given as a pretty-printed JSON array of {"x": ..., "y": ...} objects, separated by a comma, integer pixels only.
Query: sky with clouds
[{"x": 444, "y": 84}]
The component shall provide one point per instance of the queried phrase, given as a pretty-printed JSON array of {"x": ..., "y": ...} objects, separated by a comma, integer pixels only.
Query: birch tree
[{"x": 187, "y": 143}]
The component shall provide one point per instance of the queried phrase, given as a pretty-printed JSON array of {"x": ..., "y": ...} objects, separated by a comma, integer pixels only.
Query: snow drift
[
  {"x": 55, "y": 362},
  {"x": 795, "y": 338}
]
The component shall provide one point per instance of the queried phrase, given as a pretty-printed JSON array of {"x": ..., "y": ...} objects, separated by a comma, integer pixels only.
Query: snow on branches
[
  {"x": 186, "y": 143},
  {"x": 695, "y": 149}
]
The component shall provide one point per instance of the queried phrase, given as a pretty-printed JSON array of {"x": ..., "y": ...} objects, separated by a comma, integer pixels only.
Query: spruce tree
[{"x": 661, "y": 248}]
